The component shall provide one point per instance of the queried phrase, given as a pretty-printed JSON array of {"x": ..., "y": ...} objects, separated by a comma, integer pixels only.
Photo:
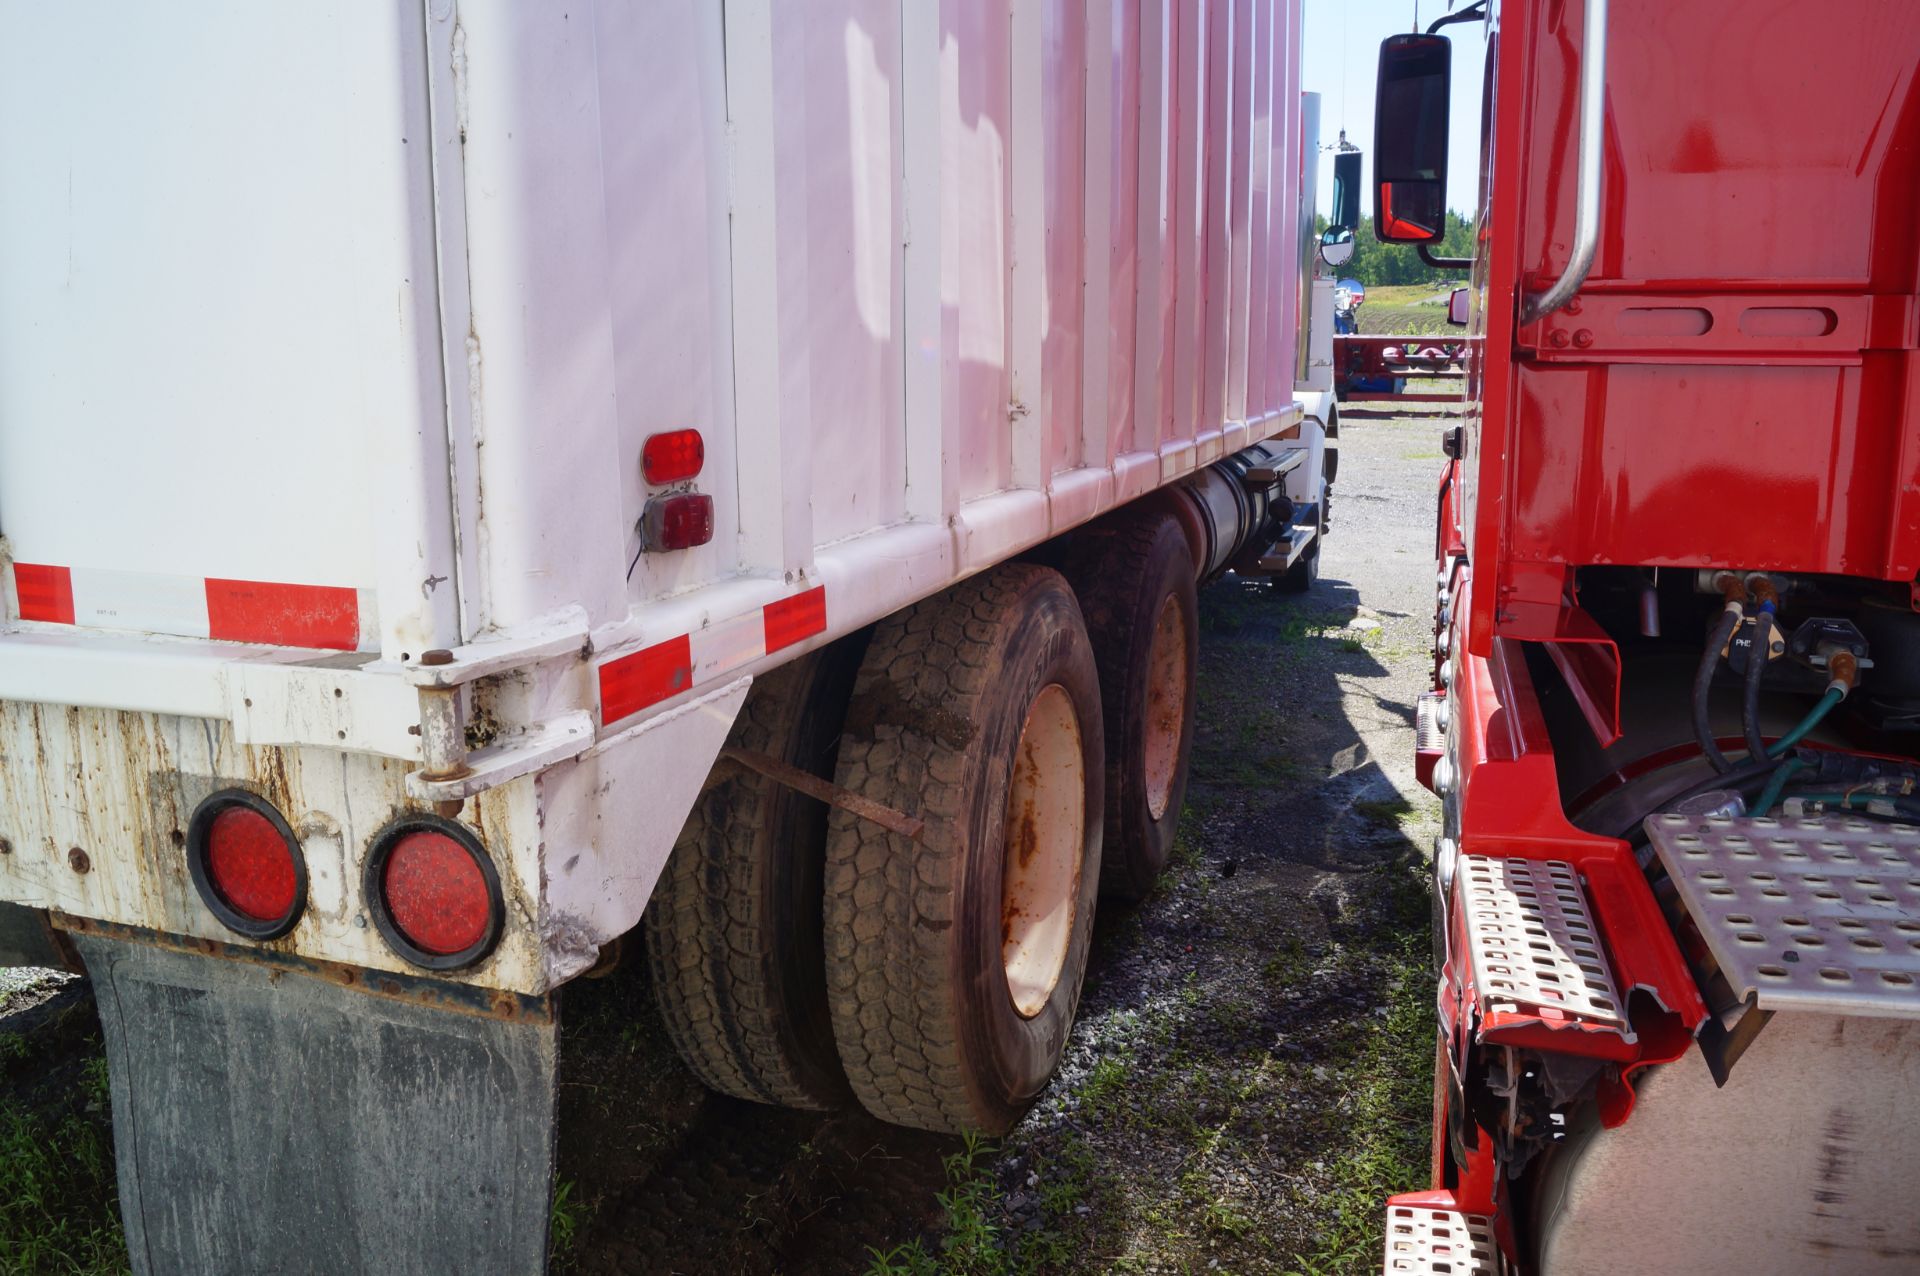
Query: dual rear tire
[
  {"x": 954, "y": 965},
  {"x": 802, "y": 954}
]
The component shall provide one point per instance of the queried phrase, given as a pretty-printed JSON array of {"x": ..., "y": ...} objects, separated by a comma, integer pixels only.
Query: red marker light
[
  {"x": 673, "y": 456},
  {"x": 246, "y": 864},
  {"x": 677, "y": 522},
  {"x": 434, "y": 894}
]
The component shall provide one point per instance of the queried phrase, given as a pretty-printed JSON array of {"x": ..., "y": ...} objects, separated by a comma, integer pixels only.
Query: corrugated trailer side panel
[
  {"x": 934, "y": 280},
  {"x": 910, "y": 234}
]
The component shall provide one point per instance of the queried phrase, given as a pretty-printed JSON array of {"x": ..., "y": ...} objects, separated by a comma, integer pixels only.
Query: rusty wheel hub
[{"x": 1045, "y": 832}]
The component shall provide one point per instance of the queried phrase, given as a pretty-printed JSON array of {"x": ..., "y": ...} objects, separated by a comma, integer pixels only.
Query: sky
[{"x": 1342, "y": 49}]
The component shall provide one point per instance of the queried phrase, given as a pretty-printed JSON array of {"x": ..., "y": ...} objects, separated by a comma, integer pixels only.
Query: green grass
[
  {"x": 1388, "y": 811},
  {"x": 972, "y": 1244},
  {"x": 59, "y": 1208},
  {"x": 567, "y": 1218},
  {"x": 1390, "y": 1077}
]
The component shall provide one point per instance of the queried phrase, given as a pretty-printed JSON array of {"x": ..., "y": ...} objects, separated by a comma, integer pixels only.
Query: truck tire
[
  {"x": 954, "y": 963},
  {"x": 733, "y": 932},
  {"x": 1299, "y": 578},
  {"x": 1134, "y": 579}
]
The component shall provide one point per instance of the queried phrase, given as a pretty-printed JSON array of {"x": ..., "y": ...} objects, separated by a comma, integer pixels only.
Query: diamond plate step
[
  {"x": 1532, "y": 939},
  {"x": 1818, "y": 914},
  {"x": 1431, "y": 1241}
]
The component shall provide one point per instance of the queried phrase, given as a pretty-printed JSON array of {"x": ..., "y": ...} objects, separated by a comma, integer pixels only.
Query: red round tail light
[
  {"x": 434, "y": 894},
  {"x": 246, "y": 864}
]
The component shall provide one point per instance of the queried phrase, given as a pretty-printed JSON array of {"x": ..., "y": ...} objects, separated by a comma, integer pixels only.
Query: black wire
[
  {"x": 1476, "y": 10},
  {"x": 1756, "y": 667},
  {"x": 1703, "y": 686}
]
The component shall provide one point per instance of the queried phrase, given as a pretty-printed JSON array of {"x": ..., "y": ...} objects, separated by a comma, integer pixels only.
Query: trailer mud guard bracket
[{"x": 265, "y": 1120}]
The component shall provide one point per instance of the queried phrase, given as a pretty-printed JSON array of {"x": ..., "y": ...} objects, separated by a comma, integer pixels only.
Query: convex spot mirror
[
  {"x": 1410, "y": 139},
  {"x": 1336, "y": 245}
]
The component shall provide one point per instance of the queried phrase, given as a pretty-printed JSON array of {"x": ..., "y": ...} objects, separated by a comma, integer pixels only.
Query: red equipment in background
[
  {"x": 1681, "y": 522},
  {"x": 1376, "y": 369}
]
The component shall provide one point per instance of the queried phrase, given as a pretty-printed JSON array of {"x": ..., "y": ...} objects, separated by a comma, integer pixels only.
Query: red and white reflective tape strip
[
  {"x": 327, "y": 616},
  {"x": 641, "y": 679}
]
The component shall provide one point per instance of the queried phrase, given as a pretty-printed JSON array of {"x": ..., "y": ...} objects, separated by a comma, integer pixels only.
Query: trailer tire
[
  {"x": 1134, "y": 579},
  {"x": 733, "y": 931},
  {"x": 951, "y": 1001}
]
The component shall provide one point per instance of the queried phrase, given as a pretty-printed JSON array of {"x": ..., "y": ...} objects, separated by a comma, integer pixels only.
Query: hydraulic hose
[
  {"x": 1833, "y": 697},
  {"x": 1771, "y": 794},
  {"x": 1756, "y": 669},
  {"x": 1703, "y": 685}
]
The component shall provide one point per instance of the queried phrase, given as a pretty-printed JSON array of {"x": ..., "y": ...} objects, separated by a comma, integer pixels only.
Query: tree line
[{"x": 1375, "y": 264}]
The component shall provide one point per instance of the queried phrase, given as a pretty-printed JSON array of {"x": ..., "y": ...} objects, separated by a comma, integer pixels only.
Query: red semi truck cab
[{"x": 1677, "y": 680}]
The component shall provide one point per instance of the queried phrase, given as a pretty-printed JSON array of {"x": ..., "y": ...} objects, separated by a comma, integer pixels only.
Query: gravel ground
[{"x": 1248, "y": 1077}]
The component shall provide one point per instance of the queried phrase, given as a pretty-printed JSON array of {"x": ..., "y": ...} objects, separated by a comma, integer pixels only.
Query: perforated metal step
[
  {"x": 1533, "y": 943},
  {"x": 1428, "y": 732},
  {"x": 1805, "y": 914},
  {"x": 1429, "y": 735},
  {"x": 1440, "y": 1242}
]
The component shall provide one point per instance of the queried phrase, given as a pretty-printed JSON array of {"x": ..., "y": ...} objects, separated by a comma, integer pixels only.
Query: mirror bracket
[{"x": 1444, "y": 263}]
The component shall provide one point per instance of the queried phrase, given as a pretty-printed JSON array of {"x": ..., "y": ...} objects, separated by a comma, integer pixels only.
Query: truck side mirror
[
  {"x": 1457, "y": 307},
  {"x": 1346, "y": 191},
  {"x": 1336, "y": 241},
  {"x": 1410, "y": 139}
]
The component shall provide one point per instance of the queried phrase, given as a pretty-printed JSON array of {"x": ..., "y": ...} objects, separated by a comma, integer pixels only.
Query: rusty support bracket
[{"x": 910, "y": 827}]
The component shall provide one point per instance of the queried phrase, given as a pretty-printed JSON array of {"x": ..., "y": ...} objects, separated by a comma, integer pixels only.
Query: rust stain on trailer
[
  {"x": 491, "y": 1003},
  {"x": 122, "y": 786}
]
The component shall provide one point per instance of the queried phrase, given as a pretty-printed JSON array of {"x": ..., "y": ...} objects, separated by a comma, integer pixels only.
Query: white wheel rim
[
  {"x": 1166, "y": 704},
  {"x": 1045, "y": 834}
]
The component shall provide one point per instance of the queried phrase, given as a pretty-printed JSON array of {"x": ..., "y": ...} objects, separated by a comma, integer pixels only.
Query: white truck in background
[{"x": 472, "y": 473}]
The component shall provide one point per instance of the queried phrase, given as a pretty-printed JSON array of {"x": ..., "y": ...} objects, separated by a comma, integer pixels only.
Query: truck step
[
  {"x": 1267, "y": 473},
  {"x": 1429, "y": 735},
  {"x": 1433, "y": 1240},
  {"x": 1286, "y": 551},
  {"x": 1813, "y": 914},
  {"x": 1534, "y": 946}
]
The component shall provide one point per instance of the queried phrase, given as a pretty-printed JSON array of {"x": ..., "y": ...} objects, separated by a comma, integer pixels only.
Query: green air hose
[
  {"x": 1779, "y": 747},
  {"x": 1771, "y": 794}
]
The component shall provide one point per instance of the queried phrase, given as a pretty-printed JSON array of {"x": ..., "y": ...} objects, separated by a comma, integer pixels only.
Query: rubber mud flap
[{"x": 266, "y": 1121}]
